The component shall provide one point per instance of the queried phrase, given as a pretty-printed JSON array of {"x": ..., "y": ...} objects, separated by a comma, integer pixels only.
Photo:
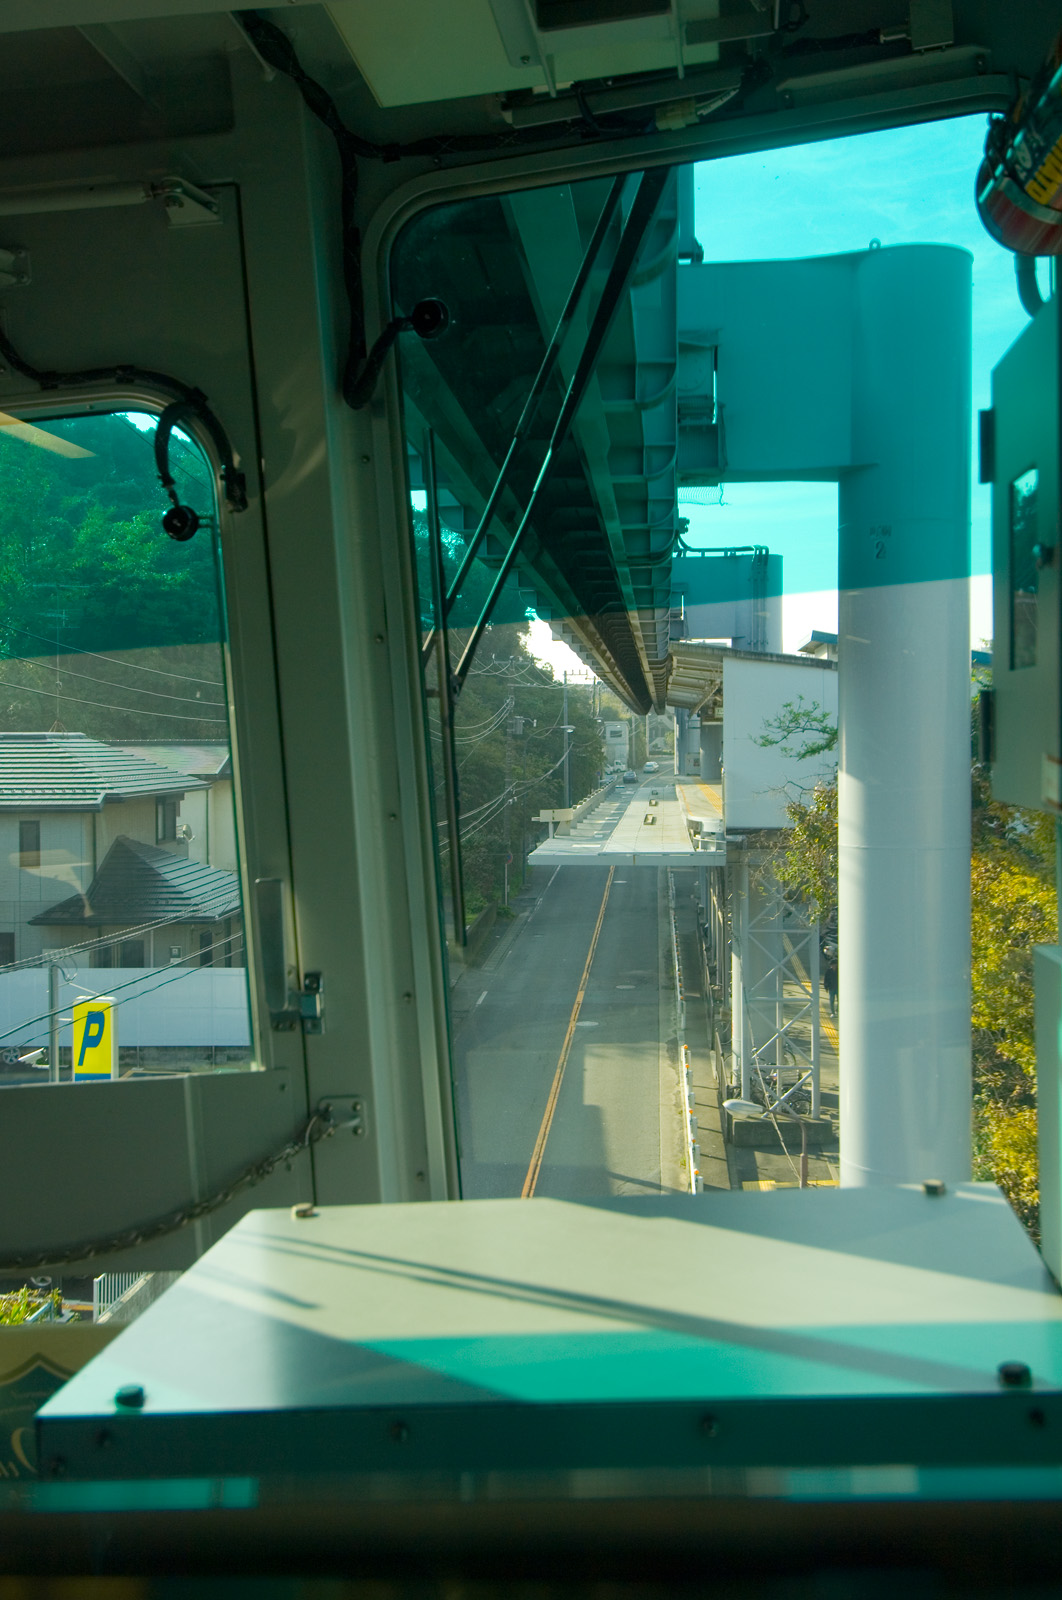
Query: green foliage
[
  {"x": 1013, "y": 908},
  {"x": 800, "y": 719},
  {"x": 808, "y": 864},
  {"x": 86, "y": 567},
  {"x": 21, "y": 1304},
  {"x": 510, "y": 745}
]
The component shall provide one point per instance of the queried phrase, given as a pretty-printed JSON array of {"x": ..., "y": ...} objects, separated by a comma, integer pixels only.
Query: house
[
  {"x": 65, "y": 799},
  {"x": 207, "y": 819},
  {"x": 174, "y": 908}
]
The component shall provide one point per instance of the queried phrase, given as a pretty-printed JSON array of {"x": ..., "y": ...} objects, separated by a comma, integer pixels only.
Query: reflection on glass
[
  {"x": 116, "y": 802},
  {"x": 635, "y": 786},
  {"x": 1024, "y": 574}
]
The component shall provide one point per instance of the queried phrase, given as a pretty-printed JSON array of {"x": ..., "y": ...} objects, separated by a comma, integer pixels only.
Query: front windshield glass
[{"x": 691, "y": 486}]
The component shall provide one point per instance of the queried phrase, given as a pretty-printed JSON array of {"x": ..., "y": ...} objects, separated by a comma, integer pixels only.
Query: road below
[{"x": 615, "y": 1125}]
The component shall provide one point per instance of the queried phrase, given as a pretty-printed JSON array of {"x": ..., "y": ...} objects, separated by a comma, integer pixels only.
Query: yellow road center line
[{"x": 558, "y": 1077}]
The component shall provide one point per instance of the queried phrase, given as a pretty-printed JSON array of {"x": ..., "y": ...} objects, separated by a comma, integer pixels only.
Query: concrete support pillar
[
  {"x": 682, "y": 726},
  {"x": 712, "y": 751},
  {"x": 904, "y": 780}
]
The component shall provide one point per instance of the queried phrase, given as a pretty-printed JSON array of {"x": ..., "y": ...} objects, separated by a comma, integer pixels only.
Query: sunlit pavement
[{"x": 615, "y": 1129}]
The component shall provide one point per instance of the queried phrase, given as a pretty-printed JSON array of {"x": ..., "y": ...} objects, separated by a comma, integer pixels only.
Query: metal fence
[{"x": 109, "y": 1287}]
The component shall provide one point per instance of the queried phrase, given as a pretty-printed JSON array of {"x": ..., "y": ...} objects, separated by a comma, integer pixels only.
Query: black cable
[
  {"x": 187, "y": 402},
  {"x": 361, "y": 367}
]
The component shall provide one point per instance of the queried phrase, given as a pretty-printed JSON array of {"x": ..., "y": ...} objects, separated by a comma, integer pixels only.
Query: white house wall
[
  {"x": 67, "y": 865},
  {"x": 758, "y": 781},
  {"x": 135, "y": 818}
]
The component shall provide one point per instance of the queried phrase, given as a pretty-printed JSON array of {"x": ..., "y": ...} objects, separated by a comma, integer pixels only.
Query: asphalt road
[{"x": 616, "y": 1126}]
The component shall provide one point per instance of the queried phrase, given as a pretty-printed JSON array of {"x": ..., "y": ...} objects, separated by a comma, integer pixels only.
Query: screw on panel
[
  {"x": 305, "y": 1208},
  {"x": 934, "y": 1186},
  {"x": 1014, "y": 1374},
  {"x": 130, "y": 1395}
]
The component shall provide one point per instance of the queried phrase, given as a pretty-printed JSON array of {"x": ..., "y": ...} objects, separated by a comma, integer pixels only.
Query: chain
[{"x": 320, "y": 1126}]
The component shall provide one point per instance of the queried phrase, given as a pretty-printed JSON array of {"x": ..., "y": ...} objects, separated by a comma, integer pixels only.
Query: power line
[
  {"x": 103, "y": 705},
  {"x": 118, "y": 987},
  {"x": 133, "y": 666},
  {"x": 44, "y": 665},
  {"x": 51, "y": 957}
]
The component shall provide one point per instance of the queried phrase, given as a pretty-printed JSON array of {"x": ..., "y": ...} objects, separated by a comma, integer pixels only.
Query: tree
[
  {"x": 106, "y": 625},
  {"x": 1013, "y": 908}
]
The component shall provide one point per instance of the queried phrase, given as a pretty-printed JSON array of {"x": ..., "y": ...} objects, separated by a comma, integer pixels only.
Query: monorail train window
[
  {"x": 690, "y": 490},
  {"x": 116, "y": 793}
]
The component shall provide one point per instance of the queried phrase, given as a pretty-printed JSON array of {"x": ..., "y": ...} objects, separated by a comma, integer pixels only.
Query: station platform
[{"x": 661, "y": 823}]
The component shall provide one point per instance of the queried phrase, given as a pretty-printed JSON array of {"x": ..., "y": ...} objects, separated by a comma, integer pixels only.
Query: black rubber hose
[{"x": 191, "y": 402}]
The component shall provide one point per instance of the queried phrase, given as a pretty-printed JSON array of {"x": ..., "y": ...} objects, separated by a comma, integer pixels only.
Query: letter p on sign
[{"x": 95, "y": 1039}]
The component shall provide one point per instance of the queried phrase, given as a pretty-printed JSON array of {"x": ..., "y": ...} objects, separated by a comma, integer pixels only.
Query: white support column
[{"x": 904, "y": 782}]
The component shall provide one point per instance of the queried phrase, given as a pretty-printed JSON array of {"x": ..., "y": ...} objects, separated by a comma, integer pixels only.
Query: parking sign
[{"x": 95, "y": 1039}]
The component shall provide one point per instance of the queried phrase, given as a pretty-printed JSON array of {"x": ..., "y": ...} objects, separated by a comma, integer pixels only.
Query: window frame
[{"x": 29, "y": 856}]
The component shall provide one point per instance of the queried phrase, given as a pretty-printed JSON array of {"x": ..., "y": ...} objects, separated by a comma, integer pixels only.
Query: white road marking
[
  {"x": 631, "y": 986},
  {"x": 480, "y": 1001},
  {"x": 593, "y": 1025}
]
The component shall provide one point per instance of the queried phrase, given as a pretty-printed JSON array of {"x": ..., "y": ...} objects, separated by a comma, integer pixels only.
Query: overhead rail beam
[
  {"x": 650, "y": 189},
  {"x": 531, "y": 404}
]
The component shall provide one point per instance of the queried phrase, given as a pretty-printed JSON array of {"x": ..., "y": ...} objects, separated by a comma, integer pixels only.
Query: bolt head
[
  {"x": 1014, "y": 1375},
  {"x": 130, "y": 1395}
]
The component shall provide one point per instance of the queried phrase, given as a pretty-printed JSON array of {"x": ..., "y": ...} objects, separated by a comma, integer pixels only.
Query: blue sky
[{"x": 911, "y": 185}]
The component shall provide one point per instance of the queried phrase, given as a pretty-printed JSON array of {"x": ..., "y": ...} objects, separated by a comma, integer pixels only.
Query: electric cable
[
  {"x": 55, "y": 957},
  {"x": 133, "y": 666},
  {"x": 44, "y": 665},
  {"x": 117, "y": 988},
  {"x": 362, "y": 366},
  {"x": 103, "y": 705}
]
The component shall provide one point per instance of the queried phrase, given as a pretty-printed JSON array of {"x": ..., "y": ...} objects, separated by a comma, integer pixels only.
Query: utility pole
[
  {"x": 567, "y": 749},
  {"x": 53, "y": 1022}
]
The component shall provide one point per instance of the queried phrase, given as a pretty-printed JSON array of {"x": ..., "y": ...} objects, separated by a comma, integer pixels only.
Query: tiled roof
[
  {"x": 139, "y": 883},
  {"x": 203, "y": 760},
  {"x": 71, "y": 772}
]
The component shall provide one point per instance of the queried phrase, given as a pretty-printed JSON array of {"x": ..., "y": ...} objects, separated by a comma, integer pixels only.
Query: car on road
[
  {"x": 651, "y": 766},
  {"x": 630, "y": 776}
]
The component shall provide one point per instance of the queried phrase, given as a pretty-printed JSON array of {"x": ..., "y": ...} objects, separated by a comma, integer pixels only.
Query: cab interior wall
[{"x": 250, "y": 311}]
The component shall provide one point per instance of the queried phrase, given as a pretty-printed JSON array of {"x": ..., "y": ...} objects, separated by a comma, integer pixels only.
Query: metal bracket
[
  {"x": 305, "y": 1006},
  {"x": 311, "y": 1002},
  {"x": 14, "y": 269},
  {"x": 346, "y": 1112},
  {"x": 187, "y": 206}
]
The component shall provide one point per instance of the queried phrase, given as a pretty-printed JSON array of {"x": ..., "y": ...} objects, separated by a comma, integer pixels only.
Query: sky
[{"x": 905, "y": 186}]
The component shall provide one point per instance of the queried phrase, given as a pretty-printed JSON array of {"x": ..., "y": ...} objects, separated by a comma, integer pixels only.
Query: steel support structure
[{"x": 776, "y": 992}]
